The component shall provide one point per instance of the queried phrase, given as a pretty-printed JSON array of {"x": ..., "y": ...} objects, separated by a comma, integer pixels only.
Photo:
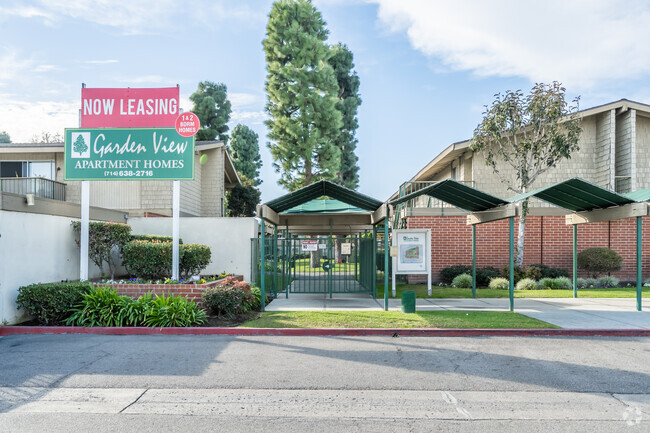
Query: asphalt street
[{"x": 345, "y": 384}]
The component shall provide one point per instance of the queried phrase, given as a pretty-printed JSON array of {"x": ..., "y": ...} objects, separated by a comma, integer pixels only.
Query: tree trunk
[
  {"x": 337, "y": 249},
  {"x": 314, "y": 258},
  {"x": 522, "y": 233}
]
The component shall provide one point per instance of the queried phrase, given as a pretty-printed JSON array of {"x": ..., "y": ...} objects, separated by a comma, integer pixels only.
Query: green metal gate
[{"x": 324, "y": 264}]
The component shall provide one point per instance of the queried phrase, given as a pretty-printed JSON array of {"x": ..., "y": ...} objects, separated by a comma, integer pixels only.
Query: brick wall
[
  {"x": 193, "y": 292},
  {"x": 549, "y": 241}
]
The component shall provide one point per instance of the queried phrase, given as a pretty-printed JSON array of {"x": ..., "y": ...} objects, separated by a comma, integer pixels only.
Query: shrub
[
  {"x": 462, "y": 281},
  {"x": 646, "y": 283},
  {"x": 559, "y": 283},
  {"x": 526, "y": 284},
  {"x": 193, "y": 259},
  {"x": 153, "y": 260},
  {"x": 499, "y": 283},
  {"x": 581, "y": 283},
  {"x": 562, "y": 283},
  {"x": 447, "y": 275},
  {"x": 518, "y": 273},
  {"x": 227, "y": 301},
  {"x": 484, "y": 275},
  {"x": 104, "y": 307},
  {"x": 608, "y": 281},
  {"x": 548, "y": 272},
  {"x": 256, "y": 305},
  {"x": 100, "y": 307},
  {"x": 154, "y": 238},
  {"x": 166, "y": 311},
  {"x": 598, "y": 261},
  {"x": 50, "y": 304},
  {"x": 591, "y": 282},
  {"x": 104, "y": 240},
  {"x": 148, "y": 260},
  {"x": 533, "y": 273}
]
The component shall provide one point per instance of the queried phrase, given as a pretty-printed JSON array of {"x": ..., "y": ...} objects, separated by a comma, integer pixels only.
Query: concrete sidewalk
[{"x": 580, "y": 313}]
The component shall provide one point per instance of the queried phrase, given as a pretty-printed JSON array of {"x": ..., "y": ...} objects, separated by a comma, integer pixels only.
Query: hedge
[
  {"x": 153, "y": 260},
  {"x": 50, "y": 304}
]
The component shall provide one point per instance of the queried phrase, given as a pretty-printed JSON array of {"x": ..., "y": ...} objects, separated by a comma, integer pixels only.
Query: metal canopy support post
[
  {"x": 176, "y": 217},
  {"x": 386, "y": 254},
  {"x": 289, "y": 253},
  {"x": 274, "y": 283},
  {"x": 474, "y": 261},
  {"x": 575, "y": 260},
  {"x": 512, "y": 263},
  {"x": 374, "y": 261},
  {"x": 262, "y": 270},
  {"x": 639, "y": 276},
  {"x": 330, "y": 260},
  {"x": 85, "y": 225}
]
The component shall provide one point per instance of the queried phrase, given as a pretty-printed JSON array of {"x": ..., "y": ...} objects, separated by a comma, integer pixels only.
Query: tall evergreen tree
[
  {"x": 348, "y": 103},
  {"x": 302, "y": 95},
  {"x": 212, "y": 107},
  {"x": 4, "y": 137},
  {"x": 243, "y": 199},
  {"x": 245, "y": 151}
]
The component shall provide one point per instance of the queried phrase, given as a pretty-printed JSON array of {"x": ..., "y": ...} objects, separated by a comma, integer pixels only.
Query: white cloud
[
  {"x": 101, "y": 62},
  {"x": 244, "y": 99},
  {"x": 46, "y": 68},
  {"x": 22, "y": 120},
  {"x": 580, "y": 43},
  {"x": 248, "y": 117},
  {"x": 27, "y": 12},
  {"x": 13, "y": 66},
  {"x": 143, "y": 79}
]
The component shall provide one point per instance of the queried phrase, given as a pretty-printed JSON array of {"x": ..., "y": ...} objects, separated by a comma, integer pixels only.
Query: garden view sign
[
  {"x": 413, "y": 254},
  {"x": 129, "y": 134},
  {"x": 128, "y": 154}
]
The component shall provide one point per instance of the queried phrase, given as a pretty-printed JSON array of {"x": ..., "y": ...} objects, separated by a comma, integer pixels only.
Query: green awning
[
  {"x": 576, "y": 195},
  {"x": 324, "y": 207},
  {"x": 456, "y": 194},
  {"x": 320, "y": 189},
  {"x": 639, "y": 195}
]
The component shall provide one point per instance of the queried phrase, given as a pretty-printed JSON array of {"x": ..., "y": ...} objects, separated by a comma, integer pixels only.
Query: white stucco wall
[
  {"x": 228, "y": 239},
  {"x": 34, "y": 248}
]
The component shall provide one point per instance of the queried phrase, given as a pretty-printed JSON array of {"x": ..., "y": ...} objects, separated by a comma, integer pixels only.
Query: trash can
[{"x": 408, "y": 301}]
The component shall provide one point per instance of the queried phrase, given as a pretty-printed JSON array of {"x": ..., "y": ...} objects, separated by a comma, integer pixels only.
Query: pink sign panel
[{"x": 129, "y": 108}]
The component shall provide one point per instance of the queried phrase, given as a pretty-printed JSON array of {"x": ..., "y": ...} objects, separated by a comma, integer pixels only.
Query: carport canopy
[{"x": 343, "y": 212}]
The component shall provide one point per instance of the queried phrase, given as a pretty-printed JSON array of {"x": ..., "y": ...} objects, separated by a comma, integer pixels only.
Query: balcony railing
[{"x": 40, "y": 187}]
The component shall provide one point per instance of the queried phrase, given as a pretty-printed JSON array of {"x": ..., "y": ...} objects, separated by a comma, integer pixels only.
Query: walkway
[{"x": 581, "y": 313}]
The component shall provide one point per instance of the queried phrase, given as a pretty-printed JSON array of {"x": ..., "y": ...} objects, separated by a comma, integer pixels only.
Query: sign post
[{"x": 130, "y": 134}]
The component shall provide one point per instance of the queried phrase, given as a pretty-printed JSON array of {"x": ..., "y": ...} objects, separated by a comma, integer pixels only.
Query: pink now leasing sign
[{"x": 129, "y": 108}]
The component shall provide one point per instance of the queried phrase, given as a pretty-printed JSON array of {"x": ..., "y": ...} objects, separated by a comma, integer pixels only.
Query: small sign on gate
[
  {"x": 346, "y": 248},
  {"x": 309, "y": 245}
]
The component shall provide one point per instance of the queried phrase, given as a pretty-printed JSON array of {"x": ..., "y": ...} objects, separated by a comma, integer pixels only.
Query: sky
[{"x": 427, "y": 67}]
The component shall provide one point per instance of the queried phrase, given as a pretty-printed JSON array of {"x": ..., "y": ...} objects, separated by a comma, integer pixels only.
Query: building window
[
  {"x": 44, "y": 169},
  {"x": 454, "y": 173}
]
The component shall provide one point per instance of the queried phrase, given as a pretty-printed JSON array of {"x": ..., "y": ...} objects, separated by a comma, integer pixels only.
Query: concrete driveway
[{"x": 580, "y": 313}]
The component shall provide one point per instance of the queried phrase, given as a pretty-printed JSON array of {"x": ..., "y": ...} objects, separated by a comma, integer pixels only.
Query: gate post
[
  {"x": 262, "y": 270},
  {"x": 386, "y": 263}
]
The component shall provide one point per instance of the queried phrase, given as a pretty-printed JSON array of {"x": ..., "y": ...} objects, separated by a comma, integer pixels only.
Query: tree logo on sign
[{"x": 80, "y": 147}]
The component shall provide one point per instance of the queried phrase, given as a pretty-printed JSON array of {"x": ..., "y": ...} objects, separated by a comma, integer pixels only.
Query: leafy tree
[
  {"x": 212, "y": 107},
  {"x": 522, "y": 137},
  {"x": 246, "y": 152},
  {"x": 243, "y": 199},
  {"x": 80, "y": 145},
  {"x": 348, "y": 103},
  {"x": 4, "y": 137},
  {"x": 302, "y": 95}
]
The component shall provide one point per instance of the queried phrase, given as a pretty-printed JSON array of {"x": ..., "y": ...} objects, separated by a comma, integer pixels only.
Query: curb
[{"x": 389, "y": 332}]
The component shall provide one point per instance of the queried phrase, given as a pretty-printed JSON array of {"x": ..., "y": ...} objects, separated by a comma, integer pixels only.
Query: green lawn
[
  {"x": 395, "y": 319},
  {"x": 302, "y": 265},
  {"x": 451, "y": 292}
]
